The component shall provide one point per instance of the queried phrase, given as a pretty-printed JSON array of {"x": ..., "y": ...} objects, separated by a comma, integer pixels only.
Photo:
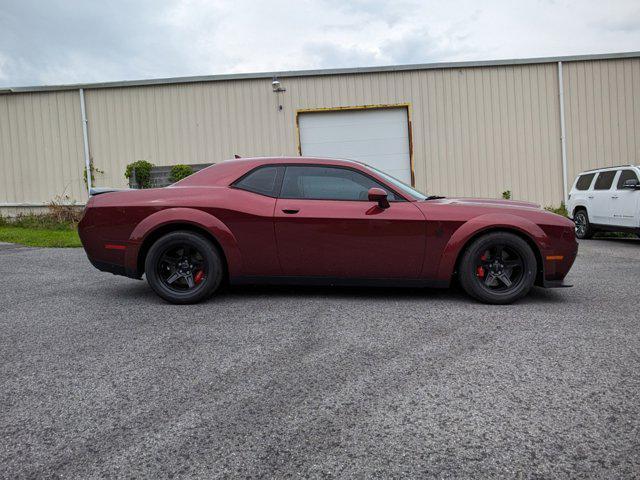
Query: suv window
[
  {"x": 262, "y": 180},
  {"x": 604, "y": 180},
  {"x": 584, "y": 182},
  {"x": 329, "y": 183},
  {"x": 626, "y": 175}
]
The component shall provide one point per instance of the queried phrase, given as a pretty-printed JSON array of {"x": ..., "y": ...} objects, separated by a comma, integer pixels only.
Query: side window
[
  {"x": 262, "y": 180},
  {"x": 604, "y": 180},
  {"x": 584, "y": 182},
  {"x": 328, "y": 183},
  {"x": 624, "y": 176}
]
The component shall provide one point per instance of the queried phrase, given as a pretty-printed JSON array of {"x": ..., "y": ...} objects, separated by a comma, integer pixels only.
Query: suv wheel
[
  {"x": 498, "y": 268},
  {"x": 184, "y": 267},
  {"x": 583, "y": 227}
]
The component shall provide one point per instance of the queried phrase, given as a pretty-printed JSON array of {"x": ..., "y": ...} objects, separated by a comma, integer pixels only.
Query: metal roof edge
[{"x": 320, "y": 72}]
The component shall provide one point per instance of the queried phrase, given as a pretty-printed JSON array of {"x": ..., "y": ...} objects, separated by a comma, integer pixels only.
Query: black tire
[
  {"x": 492, "y": 262},
  {"x": 584, "y": 230},
  {"x": 184, "y": 267}
]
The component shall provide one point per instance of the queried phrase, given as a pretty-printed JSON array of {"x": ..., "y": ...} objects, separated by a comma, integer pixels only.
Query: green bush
[
  {"x": 561, "y": 210},
  {"x": 506, "y": 194},
  {"x": 141, "y": 173},
  {"x": 178, "y": 172}
]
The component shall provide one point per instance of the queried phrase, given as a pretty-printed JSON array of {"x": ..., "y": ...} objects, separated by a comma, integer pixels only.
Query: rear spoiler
[{"x": 99, "y": 191}]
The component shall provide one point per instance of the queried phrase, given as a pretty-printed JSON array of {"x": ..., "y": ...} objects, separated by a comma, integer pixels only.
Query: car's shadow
[{"x": 141, "y": 291}]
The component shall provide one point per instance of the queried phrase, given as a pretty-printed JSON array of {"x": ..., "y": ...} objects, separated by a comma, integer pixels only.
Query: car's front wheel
[
  {"x": 184, "y": 267},
  {"x": 583, "y": 227},
  {"x": 498, "y": 268}
]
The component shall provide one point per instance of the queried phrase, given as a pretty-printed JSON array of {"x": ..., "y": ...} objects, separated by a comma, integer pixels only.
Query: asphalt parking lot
[{"x": 99, "y": 377}]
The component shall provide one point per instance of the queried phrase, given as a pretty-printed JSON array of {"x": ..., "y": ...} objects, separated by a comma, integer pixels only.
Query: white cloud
[{"x": 71, "y": 41}]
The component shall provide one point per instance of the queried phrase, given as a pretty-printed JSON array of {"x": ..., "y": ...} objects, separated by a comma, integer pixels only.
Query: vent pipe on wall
[
  {"x": 563, "y": 136},
  {"x": 85, "y": 138}
]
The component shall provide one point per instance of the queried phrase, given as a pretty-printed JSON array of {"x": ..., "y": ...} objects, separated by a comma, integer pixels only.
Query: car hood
[
  {"x": 464, "y": 209},
  {"x": 490, "y": 202}
]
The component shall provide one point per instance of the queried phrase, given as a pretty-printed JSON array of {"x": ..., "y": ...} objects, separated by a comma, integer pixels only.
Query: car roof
[
  {"x": 298, "y": 160},
  {"x": 229, "y": 170},
  {"x": 604, "y": 169},
  {"x": 225, "y": 173}
]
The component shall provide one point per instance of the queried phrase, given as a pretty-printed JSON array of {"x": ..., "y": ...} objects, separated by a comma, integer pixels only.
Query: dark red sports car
[{"x": 321, "y": 221}]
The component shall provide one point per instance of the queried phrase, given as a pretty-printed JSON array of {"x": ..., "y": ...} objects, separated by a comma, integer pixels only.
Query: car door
[
  {"x": 601, "y": 202},
  {"x": 625, "y": 202},
  {"x": 326, "y": 226}
]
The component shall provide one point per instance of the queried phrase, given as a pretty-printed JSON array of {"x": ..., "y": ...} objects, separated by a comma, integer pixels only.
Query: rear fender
[
  {"x": 486, "y": 223},
  {"x": 191, "y": 216}
]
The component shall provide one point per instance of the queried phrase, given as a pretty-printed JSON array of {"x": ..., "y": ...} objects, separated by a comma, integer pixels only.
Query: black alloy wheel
[
  {"x": 183, "y": 267},
  {"x": 582, "y": 225},
  {"x": 498, "y": 268}
]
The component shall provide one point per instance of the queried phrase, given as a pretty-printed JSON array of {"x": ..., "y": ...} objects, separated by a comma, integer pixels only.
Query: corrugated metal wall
[
  {"x": 602, "y": 113},
  {"x": 476, "y": 130},
  {"x": 41, "y": 154},
  {"x": 473, "y": 128},
  {"x": 189, "y": 123}
]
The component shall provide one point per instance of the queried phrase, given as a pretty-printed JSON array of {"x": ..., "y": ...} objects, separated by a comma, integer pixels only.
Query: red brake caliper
[
  {"x": 198, "y": 276},
  {"x": 480, "y": 270}
]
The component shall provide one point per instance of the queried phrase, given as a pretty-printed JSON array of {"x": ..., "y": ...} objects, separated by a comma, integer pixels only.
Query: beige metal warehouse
[{"x": 472, "y": 128}]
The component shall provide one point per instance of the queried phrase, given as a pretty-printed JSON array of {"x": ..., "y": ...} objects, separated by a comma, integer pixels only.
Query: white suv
[{"x": 606, "y": 199}]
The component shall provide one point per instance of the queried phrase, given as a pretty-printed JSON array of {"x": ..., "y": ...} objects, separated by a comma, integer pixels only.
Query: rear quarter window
[
  {"x": 584, "y": 181},
  {"x": 262, "y": 180}
]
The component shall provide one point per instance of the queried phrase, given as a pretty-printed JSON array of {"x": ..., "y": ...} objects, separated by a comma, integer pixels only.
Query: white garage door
[{"x": 378, "y": 137}]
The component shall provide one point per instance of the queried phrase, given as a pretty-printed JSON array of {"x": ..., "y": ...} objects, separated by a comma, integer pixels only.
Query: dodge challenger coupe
[{"x": 321, "y": 221}]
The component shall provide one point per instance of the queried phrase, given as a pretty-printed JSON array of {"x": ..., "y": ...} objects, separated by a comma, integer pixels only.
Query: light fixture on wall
[{"x": 277, "y": 88}]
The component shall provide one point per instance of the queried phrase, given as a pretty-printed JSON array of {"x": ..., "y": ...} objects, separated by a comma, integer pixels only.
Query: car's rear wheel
[
  {"x": 498, "y": 268},
  {"x": 583, "y": 226},
  {"x": 184, "y": 267}
]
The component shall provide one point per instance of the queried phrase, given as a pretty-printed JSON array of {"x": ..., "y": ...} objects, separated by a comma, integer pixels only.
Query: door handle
[
  {"x": 290, "y": 211},
  {"x": 613, "y": 196},
  {"x": 590, "y": 196}
]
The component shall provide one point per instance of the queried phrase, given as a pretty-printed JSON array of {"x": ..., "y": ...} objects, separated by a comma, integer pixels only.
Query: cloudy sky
[{"x": 72, "y": 41}]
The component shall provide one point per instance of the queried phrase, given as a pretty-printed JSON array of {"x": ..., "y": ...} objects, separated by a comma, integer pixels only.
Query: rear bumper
[
  {"x": 113, "y": 268},
  {"x": 106, "y": 253}
]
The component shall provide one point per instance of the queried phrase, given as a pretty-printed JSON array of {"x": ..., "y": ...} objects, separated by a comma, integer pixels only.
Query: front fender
[
  {"x": 191, "y": 216},
  {"x": 485, "y": 223}
]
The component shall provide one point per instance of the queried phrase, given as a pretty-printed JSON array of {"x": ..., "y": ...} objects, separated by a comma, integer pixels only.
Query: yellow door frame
[{"x": 406, "y": 106}]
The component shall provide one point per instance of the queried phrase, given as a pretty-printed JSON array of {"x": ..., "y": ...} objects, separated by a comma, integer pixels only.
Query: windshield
[{"x": 403, "y": 187}]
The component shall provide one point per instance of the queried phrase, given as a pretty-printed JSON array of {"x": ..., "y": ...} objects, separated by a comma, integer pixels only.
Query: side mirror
[
  {"x": 378, "y": 195},
  {"x": 632, "y": 183}
]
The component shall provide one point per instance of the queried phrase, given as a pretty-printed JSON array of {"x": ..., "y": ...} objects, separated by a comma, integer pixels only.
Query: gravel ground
[{"x": 99, "y": 377}]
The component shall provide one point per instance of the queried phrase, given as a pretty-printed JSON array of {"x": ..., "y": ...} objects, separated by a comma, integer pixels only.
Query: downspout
[
  {"x": 563, "y": 135},
  {"x": 85, "y": 138}
]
